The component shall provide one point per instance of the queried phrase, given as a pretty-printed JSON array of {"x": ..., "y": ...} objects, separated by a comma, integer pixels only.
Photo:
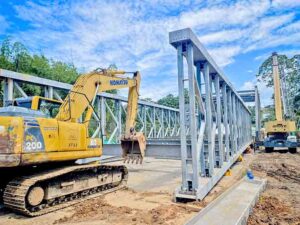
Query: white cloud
[
  {"x": 223, "y": 36},
  {"x": 290, "y": 53},
  {"x": 291, "y": 28},
  {"x": 238, "y": 13},
  {"x": 224, "y": 55},
  {"x": 285, "y": 3},
  {"x": 134, "y": 34},
  {"x": 265, "y": 27},
  {"x": 248, "y": 85},
  {"x": 3, "y": 25},
  {"x": 264, "y": 34},
  {"x": 264, "y": 91}
]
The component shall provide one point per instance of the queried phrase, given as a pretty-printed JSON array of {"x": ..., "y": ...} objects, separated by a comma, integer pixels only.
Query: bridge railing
[
  {"x": 219, "y": 121},
  {"x": 156, "y": 121}
]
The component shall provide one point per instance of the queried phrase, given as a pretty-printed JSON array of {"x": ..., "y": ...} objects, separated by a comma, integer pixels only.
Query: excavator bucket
[{"x": 133, "y": 148}]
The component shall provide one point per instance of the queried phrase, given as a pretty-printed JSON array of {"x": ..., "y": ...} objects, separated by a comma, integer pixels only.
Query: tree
[
  {"x": 147, "y": 99},
  {"x": 15, "y": 56},
  {"x": 290, "y": 75},
  {"x": 170, "y": 101},
  {"x": 173, "y": 101}
]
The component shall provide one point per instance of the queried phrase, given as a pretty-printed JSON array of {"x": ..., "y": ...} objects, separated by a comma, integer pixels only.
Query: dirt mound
[
  {"x": 280, "y": 168},
  {"x": 280, "y": 203},
  {"x": 163, "y": 214},
  {"x": 270, "y": 210},
  {"x": 99, "y": 209}
]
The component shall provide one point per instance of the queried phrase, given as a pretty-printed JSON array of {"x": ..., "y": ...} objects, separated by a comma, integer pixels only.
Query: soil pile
[
  {"x": 280, "y": 203},
  {"x": 100, "y": 210}
]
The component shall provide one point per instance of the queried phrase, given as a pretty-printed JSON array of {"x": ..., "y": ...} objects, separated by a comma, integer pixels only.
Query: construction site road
[{"x": 148, "y": 198}]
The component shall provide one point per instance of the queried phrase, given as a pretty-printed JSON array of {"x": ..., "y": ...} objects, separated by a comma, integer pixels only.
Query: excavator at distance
[{"x": 38, "y": 150}]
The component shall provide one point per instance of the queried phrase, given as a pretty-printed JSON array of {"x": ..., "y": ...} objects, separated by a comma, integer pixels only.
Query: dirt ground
[
  {"x": 280, "y": 202},
  {"x": 148, "y": 198}
]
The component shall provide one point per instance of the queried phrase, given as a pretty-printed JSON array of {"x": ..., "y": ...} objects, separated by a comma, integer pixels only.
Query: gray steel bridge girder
[{"x": 226, "y": 119}]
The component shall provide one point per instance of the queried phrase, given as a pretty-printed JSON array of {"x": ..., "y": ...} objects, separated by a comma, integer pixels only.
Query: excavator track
[{"x": 16, "y": 194}]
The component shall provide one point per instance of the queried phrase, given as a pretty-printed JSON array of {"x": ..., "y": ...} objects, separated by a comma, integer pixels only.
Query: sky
[{"x": 239, "y": 35}]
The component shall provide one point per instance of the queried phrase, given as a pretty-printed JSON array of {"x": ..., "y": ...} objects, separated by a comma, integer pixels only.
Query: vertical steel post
[
  {"x": 50, "y": 92},
  {"x": 99, "y": 114},
  {"x": 162, "y": 124},
  {"x": 169, "y": 123},
  {"x": 257, "y": 115},
  {"x": 154, "y": 121},
  {"x": 208, "y": 104},
  {"x": 103, "y": 117},
  {"x": 219, "y": 120},
  {"x": 238, "y": 124},
  {"x": 234, "y": 112},
  {"x": 231, "y": 150},
  {"x": 119, "y": 118},
  {"x": 4, "y": 87},
  {"x": 192, "y": 113},
  {"x": 182, "y": 117},
  {"x": 46, "y": 94},
  {"x": 145, "y": 120},
  {"x": 10, "y": 89},
  {"x": 225, "y": 120}
]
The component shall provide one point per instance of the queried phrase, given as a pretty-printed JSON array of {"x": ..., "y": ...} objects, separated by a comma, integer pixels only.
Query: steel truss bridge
[{"x": 208, "y": 133}]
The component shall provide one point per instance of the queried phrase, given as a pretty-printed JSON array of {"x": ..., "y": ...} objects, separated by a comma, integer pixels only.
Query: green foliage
[
  {"x": 14, "y": 56},
  {"x": 290, "y": 69},
  {"x": 252, "y": 110},
  {"x": 147, "y": 99},
  {"x": 265, "y": 73},
  {"x": 169, "y": 100},
  {"x": 173, "y": 101}
]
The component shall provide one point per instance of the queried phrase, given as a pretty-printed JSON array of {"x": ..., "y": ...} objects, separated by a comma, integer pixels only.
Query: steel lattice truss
[
  {"x": 219, "y": 121},
  {"x": 156, "y": 121}
]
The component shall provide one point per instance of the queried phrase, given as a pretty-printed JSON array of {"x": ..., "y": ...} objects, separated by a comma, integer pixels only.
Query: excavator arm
[{"x": 82, "y": 96}]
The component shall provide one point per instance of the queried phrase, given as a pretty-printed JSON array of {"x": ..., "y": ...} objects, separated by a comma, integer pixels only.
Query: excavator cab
[{"x": 47, "y": 106}]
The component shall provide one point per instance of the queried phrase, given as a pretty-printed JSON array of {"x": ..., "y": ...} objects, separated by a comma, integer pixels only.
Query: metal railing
[
  {"x": 219, "y": 121},
  {"x": 156, "y": 121}
]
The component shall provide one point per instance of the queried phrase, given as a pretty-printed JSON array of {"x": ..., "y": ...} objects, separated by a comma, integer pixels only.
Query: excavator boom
[{"x": 80, "y": 98}]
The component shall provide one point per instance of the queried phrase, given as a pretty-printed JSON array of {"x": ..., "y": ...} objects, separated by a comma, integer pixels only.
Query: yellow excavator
[
  {"x": 40, "y": 140},
  {"x": 279, "y": 133}
]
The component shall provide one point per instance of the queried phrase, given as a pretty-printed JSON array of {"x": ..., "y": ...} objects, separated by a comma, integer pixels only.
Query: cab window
[
  {"x": 23, "y": 104},
  {"x": 49, "y": 108}
]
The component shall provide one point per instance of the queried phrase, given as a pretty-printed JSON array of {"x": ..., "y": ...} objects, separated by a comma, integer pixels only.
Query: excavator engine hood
[{"x": 133, "y": 147}]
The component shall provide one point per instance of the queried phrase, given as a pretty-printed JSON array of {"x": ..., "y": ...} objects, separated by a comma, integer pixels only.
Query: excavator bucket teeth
[{"x": 133, "y": 148}]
